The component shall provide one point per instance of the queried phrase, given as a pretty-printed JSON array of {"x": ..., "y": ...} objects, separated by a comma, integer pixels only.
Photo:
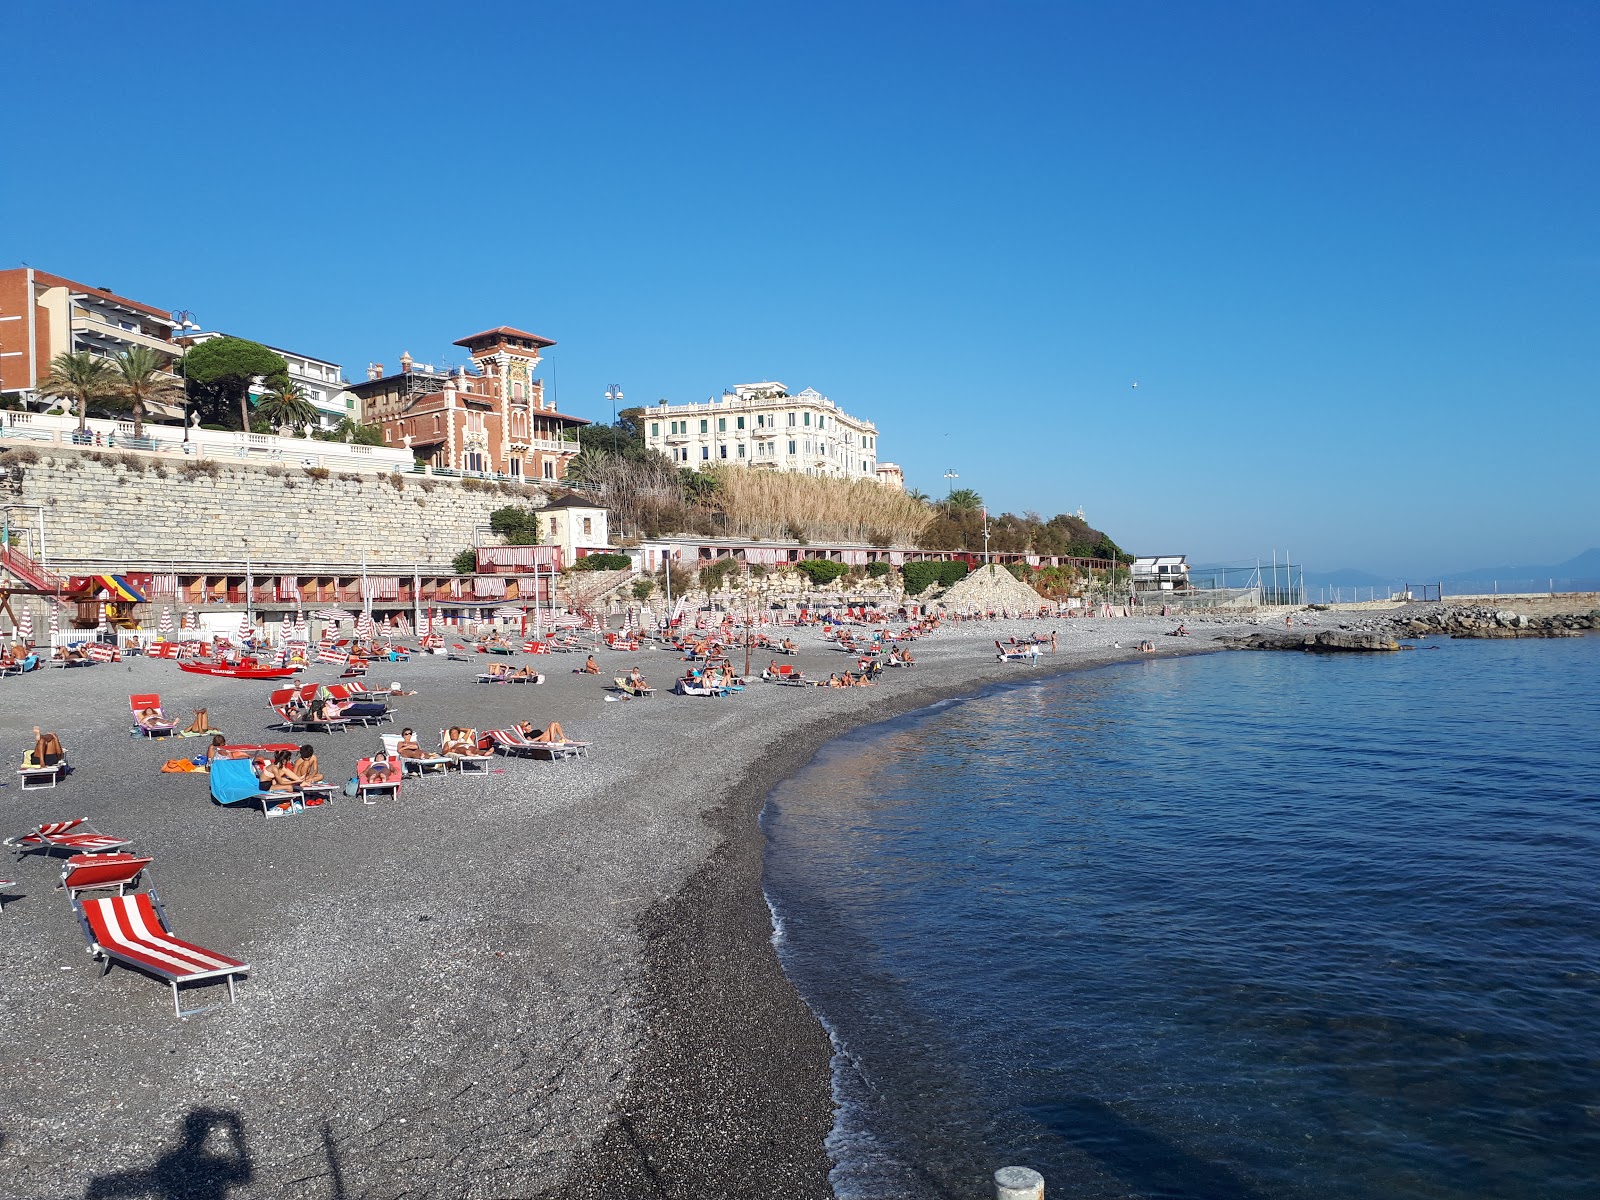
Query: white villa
[{"x": 761, "y": 425}]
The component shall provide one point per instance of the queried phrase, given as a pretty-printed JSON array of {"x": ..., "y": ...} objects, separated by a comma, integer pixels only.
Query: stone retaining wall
[{"x": 139, "y": 513}]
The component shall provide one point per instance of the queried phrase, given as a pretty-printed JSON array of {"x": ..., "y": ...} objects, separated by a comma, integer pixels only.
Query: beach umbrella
[
  {"x": 100, "y": 625},
  {"x": 55, "y": 621},
  {"x": 166, "y": 622},
  {"x": 25, "y": 626},
  {"x": 285, "y": 629},
  {"x": 508, "y": 613},
  {"x": 247, "y": 630},
  {"x": 302, "y": 631}
]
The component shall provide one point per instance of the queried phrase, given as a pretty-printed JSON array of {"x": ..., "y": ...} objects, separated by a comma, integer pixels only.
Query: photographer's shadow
[{"x": 207, "y": 1163}]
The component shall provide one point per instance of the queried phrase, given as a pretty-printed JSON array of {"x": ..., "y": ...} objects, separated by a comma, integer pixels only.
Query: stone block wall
[{"x": 139, "y": 513}]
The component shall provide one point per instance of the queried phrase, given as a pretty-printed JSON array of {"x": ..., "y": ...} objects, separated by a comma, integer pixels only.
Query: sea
[{"x": 1222, "y": 927}]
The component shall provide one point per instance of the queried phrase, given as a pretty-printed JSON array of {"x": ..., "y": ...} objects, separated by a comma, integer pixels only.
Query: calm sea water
[{"x": 1241, "y": 925}]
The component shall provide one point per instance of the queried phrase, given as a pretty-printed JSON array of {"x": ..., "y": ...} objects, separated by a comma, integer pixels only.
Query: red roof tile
[{"x": 505, "y": 331}]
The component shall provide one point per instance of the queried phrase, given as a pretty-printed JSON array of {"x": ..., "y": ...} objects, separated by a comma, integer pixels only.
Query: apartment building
[
  {"x": 490, "y": 419},
  {"x": 761, "y": 425},
  {"x": 321, "y": 381},
  {"x": 43, "y": 315}
]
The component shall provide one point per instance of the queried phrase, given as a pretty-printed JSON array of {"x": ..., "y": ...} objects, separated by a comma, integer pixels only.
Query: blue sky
[{"x": 1349, "y": 252}]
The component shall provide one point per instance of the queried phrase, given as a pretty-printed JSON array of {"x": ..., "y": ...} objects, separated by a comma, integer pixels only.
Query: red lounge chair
[
  {"x": 160, "y": 727},
  {"x": 389, "y": 787},
  {"x": 133, "y": 930},
  {"x": 92, "y": 872},
  {"x": 76, "y": 835}
]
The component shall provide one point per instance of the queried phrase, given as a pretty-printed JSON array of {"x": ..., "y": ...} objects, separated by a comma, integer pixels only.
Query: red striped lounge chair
[
  {"x": 388, "y": 788},
  {"x": 76, "y": 835},
  {"x": 508, "y": 742},
  {"x": 97, "y": 872},
  {"x": 132, "y": 930}
]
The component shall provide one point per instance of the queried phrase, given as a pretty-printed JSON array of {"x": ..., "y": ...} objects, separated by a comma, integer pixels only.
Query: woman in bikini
[
  {"x": 200, "y": 724},
  {"x": 458, "y": 742},
  {"x": 47, "y": 751},
  {"x": 408, "y": 746}
]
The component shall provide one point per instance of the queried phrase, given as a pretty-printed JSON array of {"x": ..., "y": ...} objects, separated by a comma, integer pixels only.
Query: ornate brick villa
[{"x": 492, "y": 417}]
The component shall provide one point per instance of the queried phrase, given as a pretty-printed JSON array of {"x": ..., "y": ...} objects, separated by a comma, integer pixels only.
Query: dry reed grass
[{"x": 771, "y": 505}]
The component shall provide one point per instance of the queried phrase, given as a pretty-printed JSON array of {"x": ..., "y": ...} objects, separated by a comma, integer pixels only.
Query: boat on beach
[{"x": 238, "y": 670}]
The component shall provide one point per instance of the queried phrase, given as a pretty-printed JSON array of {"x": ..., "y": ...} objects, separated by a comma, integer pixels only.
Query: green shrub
[
  {"x": 518, "y": 525},
  {"x": 877, "y": 570},
  {"x": 1022, "y": 572},
  {"x": 465, "y": 562},
  {"x": 919, "y": 575},
  {"x": 820, "y": 570},
  {"x": 603, "y": 562},
  {"x": 642, "y": 589},
  {"x": 714, "y": 576}
]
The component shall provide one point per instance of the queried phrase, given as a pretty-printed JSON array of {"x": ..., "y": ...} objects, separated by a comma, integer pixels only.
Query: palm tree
[
  {"x": 80, "y": 377},
  {"x": 287, "y": 405},
  {"x": 964, "y": 500},
  {"x": 143, "y": 376},
  {"x": 917, "y": 494}
]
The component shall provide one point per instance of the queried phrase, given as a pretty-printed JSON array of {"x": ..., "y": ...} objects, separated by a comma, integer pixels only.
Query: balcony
[{"x": 97, "y": 329}]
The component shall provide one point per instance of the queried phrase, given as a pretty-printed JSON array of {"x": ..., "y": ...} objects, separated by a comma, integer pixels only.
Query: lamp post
[
  {"x": 614, "y": 394},
  {"x": 183, "y": 320}
]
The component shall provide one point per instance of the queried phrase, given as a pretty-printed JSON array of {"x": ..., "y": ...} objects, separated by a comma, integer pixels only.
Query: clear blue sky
[{"x": 1350, "y": 252}]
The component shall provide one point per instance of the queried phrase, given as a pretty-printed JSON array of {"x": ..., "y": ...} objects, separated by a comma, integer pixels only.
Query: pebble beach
[{"x": 556, "y": 979}]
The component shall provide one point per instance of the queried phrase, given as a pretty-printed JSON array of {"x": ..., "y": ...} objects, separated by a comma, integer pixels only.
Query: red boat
[{"x": 243, "y": 669}]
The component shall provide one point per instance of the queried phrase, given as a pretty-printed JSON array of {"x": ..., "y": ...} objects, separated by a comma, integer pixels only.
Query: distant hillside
[{"x": 1585, "y": 566}]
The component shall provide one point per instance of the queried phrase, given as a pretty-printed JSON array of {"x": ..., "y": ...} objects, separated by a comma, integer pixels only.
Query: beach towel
[
  {"x": 232, "y": 780},
  {"x": 175, "y": 766}
]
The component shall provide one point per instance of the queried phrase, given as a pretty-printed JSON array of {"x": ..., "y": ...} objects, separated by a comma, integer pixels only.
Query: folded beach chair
[
  {"x": 133, "y": 930},
  {"x": 234, "y": 781},
  {"x": 372, "y": 792},
  {"x": 96, "y": 872},
  {"x": 458, "y": 653},
  {"x": 157, "y": 727},
  {"x": 76, "y": 836}
]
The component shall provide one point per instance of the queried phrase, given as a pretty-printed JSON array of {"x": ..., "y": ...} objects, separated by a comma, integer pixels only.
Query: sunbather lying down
[
  {"x": 551, "y": 733},
  {"x": 153, "y": 718},
  {"x": 200, "y": 724},
  {"x": 46, "y": 752},
  {"x": 378, "y": 772}
]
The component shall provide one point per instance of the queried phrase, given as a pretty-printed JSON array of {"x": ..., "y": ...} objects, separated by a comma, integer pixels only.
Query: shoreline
[{"x": 729, "y": 1042}]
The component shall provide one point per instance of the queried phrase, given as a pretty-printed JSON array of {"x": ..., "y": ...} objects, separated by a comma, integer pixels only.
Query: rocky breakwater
[
  {"x": 1494, "y": 623},
  {"x": 1325, "y": 641}
]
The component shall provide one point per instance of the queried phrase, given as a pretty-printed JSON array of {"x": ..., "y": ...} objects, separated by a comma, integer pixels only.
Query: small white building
[
  {"x": 577, "y": 525},
  {"x": 760, "y": 425},
  {"x": 1166, "y": 572}
]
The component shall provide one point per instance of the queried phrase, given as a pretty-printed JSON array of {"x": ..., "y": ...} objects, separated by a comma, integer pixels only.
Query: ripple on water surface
[{"x": 1231, "y": 926}]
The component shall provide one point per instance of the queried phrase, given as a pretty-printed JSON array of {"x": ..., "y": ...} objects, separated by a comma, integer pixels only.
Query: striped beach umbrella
[
  {"x": 55, "y": 621},
  {"x": 363, "y": 628},
  {"x": 100, "y": 625},
  {"x": 166, "y": 622},
  {"x": 302, "y": 631},
  {"x": 285, "y": 629},
  {"x": 247, "y": 629},
  {"x": 25, "y": 626},
  {"x": 191, "y": 619}
]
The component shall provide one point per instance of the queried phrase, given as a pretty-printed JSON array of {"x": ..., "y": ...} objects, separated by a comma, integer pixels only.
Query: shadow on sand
[{"x": 209, "y": 1161}]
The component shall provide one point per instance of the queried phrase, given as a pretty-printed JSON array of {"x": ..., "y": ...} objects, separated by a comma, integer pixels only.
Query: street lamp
[
  {"x": 614, "y": 394},
  {"x": 952, "y": 476},
  {"x": 183, "y": 320}
]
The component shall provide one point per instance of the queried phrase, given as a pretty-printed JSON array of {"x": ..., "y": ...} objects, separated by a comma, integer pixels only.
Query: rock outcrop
[
  {"x": 1494, "y": 623},
  {"x": 1327, "y": 641}
]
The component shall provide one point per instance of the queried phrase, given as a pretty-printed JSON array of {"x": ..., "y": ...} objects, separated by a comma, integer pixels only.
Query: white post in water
[{"x": 1018, "y": 1183}]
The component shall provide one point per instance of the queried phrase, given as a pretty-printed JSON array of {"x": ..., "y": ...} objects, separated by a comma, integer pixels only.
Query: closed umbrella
[
  {"x": 55, "y": 621},
  {"x": 247, "y": 630},
  {"x": 286, "y": 629},
  {"x": 25, "y": 626},
  {"x": 166, "y": 622},
  {"x": 302, "y": 631}
]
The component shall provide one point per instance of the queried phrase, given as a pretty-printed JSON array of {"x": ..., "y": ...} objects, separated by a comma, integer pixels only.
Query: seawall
[{"x": 135, "y": 511}]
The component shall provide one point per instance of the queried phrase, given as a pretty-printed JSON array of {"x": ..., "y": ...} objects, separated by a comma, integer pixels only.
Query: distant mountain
[
  {"x": 1585, "y": 566},
  {"x": 1348, "y": 577}
]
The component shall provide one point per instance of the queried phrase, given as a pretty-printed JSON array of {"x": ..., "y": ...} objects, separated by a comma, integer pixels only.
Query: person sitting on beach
[
  {"x": 306, "y": 768},
  {"x": 833, "y": 680},
  {"x": 590, "y": 666},
  {"x": 279, "y": 774},
  {"x": 219, "y": 748},
  {"x": 46, "y": 752},
  {"x": 408, "y": 746},
  {"x": 636, "y": 680},
  {"x": 199, "y": 724},
  {"x": 788, "y": 646},
  {"x": 396, "y": 690},
  {"x": 458, "y": 742}
]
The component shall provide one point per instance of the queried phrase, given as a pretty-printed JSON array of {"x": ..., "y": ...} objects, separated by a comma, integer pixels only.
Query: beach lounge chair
[
  {"x": 133, "y": 930},
  {"x": 98, "y": 872},
  {"x": 388, "y": 788},
  {"x": 37, "y": 778},
  {"x": 468, "y": 764},
  {"x": 622, "y": 685},
  {"x": 4, "y": 884},
  {"x": 158, "y": 726},
  {"x": 76, "y": 836},
  {"x": 234, "y": 781},
  {"x": 419, "y": 767},
  {"x": 512, "y": 741},
  {"x": 458, "y": 653}
]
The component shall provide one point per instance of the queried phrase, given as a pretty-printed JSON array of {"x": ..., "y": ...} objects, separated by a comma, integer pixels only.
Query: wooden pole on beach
[{"x": 1018, "y": 1183}]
